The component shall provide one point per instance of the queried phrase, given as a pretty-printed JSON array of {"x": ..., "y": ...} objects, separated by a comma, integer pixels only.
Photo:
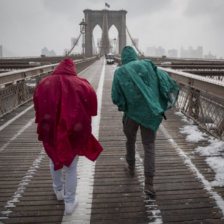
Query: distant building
[
  {"x": 160, "y": 51},
  {"x": 191, "y": 53},
  {"x": 1, "y": 51},
  {"x": 155, "y": 51},
  {"x": 210, "y": 56},
  {"x": 172, "y": 53},
  {"x": 199, "y": 52},
  {"x": 47, "y": 52},
  {"x": 184, "y": 53},
  {"x": 151, "y": 51}
]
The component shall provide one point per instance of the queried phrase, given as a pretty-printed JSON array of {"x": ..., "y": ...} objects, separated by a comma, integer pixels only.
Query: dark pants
[{"x": 130, "y": 128}]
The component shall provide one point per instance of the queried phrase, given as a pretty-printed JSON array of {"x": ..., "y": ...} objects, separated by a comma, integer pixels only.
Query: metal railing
[
  {"x": 17, "y": 87},
  {"x": 201, "y": 99}
]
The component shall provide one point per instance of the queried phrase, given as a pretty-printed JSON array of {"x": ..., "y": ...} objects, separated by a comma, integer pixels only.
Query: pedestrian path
[{"x": 107, "y": 194}]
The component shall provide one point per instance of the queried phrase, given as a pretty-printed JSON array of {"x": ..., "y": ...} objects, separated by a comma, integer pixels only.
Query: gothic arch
[{"x": 105, "y": 19}]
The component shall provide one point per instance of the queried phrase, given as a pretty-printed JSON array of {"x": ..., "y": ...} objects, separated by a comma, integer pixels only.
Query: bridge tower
[{"x": 105, "y": 19}]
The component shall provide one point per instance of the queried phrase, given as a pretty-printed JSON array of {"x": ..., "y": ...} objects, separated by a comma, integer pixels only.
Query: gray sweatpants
[
  {"x": 130, "y": 128},
  {"x": 70, "y": 180}
]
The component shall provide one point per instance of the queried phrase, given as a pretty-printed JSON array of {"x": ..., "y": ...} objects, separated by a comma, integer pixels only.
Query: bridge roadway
[{"x": 107, "y": 194}]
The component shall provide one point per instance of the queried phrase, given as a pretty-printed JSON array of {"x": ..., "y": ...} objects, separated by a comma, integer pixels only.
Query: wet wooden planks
[
  {"x": 180, "y": 195},
  {"x": 181, "y": 198},
  {"x": 37, "y": 203},
  {"x": 23, "y": 163},
  {"x": 117, "y": 197}
]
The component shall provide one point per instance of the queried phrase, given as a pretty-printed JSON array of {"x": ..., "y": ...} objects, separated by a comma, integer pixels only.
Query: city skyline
[
  {"x": 183, "y": 52},
  {"x": 153, "y": 51},
  {"x": 27, "y": 26}
]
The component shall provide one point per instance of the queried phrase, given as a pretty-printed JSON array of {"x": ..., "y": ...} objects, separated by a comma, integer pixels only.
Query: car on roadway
[{"x": 109, "y": 58}]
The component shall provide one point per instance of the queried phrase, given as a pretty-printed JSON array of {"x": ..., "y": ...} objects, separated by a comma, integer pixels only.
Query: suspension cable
[
  {"x": 133, "y": 42},
  {"x": 74, "y": 44}
]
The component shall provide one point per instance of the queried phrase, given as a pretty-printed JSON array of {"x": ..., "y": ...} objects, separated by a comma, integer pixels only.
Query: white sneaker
[
  {"x": 59, "y": 194},
  {"x": 70, "y": 207}
]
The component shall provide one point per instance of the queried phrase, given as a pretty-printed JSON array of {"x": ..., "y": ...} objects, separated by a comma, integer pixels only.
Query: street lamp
[{"x": 83, "y": 25}]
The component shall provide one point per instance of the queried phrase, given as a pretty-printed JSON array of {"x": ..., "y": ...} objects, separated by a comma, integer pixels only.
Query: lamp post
[{"x": 83, "y": 25}]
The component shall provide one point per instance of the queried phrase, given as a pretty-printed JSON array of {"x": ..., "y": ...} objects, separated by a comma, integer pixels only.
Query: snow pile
[
  {"x": 215, "y": 148},
  {"x": 217, "y": 164},
  {"x": 193, "y": 133},
  {"x": 214, "y": 151}
]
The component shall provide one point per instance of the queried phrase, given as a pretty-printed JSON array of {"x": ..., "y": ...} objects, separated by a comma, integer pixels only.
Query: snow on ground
[
  {"x": 193, "y": 133},
  {"x": 214, "y": 151}
]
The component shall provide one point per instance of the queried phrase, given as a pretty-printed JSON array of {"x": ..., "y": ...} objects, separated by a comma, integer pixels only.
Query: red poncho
[{"x": 64, "y": 104}]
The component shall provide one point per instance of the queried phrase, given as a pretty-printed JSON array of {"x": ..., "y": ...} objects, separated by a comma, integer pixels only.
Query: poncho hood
[
  {"x": 66, "y": 67},
  {"x": 128, "y": 54}
]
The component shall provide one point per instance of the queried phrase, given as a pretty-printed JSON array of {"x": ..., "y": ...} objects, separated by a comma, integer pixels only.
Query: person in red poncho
[{"x": 64, "y": 104}]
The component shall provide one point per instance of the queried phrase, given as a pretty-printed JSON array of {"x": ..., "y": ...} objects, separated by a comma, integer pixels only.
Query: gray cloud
[
  {"x": 210, "y": 15},
  {"x": 206, "y": 9},
  {"x": 134, "y": 7},
  {"x": 27, "y": 26},
  {"x": 141, "y": 7},
  {"x": 213, "y": 9}
]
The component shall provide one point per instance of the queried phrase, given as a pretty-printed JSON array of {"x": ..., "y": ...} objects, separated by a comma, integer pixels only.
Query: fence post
[
  {"x": 194, "y": 102},
  {"x": 220, "y": 128}
]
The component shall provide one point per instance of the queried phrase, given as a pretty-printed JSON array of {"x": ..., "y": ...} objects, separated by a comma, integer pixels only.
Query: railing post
[
  {"x": 220, "y": 128},
  {"x": 2, "y": 105},
  {"x": 194, "y": 102},
  {"x": 21, "y": 92}
]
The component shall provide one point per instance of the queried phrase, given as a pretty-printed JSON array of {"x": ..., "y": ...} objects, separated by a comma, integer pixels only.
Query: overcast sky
[{"x": 26, "y": 26}]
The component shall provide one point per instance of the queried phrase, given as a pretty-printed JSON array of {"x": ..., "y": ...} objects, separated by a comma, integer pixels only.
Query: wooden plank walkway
[{"x": 26, "y": 194}]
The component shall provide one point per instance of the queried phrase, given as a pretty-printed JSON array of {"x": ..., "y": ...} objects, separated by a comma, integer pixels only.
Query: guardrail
[
  {"x": 17, "y": 87},
  {"x": 9, "y": 64},
  {"x": 207, "y": 85},
  {"x": 201, "y": 99}
]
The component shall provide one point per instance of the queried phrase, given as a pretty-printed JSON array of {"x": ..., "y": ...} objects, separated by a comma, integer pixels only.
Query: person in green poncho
[{"x": 143, "y": 92}]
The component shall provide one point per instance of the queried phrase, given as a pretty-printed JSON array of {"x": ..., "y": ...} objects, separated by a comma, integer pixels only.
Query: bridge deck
[{"x": 183, "y": 196}]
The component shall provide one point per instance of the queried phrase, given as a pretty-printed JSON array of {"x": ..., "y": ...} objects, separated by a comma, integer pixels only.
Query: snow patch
[
  {"x": 217, "y": 164},
  {"x": 214, "y": 151},
  {"x": 207, "y": 185},
  {"x": 215, "y": 148},
  {"x": 193, "y": 133}
]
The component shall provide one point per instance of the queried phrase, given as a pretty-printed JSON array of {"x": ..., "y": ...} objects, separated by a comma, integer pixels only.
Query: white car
[{"x": 110, "y": 58}]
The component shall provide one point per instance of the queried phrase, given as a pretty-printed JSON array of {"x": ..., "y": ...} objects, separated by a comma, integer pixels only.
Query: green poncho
[{"x": 142, "y": 91}]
